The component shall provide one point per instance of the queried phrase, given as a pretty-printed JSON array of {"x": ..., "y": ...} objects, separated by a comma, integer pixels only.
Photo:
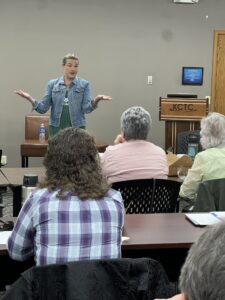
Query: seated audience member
[
  {"x": 73, "y": 214},
  {"x": 210, "y": 163},
  {"x": 133, "y": 157},
  {"x": 202, "y": 275}
]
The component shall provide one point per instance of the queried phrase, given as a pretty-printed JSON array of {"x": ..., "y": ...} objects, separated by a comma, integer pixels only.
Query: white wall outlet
[
  {"x": 209, "y": 98},
  {"x": 4, "y": 160},
  {"x": 149, "y": 79}
]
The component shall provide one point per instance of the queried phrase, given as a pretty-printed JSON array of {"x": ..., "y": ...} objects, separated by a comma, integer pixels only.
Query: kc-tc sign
[{"x": 182, "y": 109}]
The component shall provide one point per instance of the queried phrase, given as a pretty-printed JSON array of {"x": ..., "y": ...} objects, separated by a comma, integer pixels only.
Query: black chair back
[
  {"x": 210, "y": 196},
  {"x": 165, "y": 197},
  {"x": 144, "y": 196}
]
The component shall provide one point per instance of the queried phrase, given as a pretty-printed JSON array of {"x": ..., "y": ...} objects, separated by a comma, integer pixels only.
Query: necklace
[{"x": 66, "y": 97}]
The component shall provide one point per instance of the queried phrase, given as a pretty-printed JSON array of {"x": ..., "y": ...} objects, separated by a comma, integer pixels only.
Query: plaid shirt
[{"x": 56, "y": 231}]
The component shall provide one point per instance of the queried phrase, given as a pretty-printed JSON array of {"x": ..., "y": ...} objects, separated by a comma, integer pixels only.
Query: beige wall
[{"x": 118, "y": 42}]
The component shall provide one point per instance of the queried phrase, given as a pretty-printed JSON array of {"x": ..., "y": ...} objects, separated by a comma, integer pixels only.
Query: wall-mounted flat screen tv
[{"x": 192, "y": 76}]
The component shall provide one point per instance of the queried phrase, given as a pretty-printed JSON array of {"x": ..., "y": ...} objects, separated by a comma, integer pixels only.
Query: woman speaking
[{"x": 69, "y": 97}]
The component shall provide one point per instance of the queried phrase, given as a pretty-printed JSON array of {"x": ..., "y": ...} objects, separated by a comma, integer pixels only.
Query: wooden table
[
  {"x": 164, "y": 237},
  {"x": 15, "y": 175},
  {"x": 33, "y": 148},
  {"x": 154, "y": 231},
  {"x": 159, "y": 231}
]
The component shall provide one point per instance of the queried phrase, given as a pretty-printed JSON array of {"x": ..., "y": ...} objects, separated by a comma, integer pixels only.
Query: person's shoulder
[
  {"x": 156, "y": 147},
  {"x": 211, "y": 154},
  {"x": 114, "y": 149},
  {"x": 82, "y": 82},
  {"x": 56, "y": 81},
  {"x": 114, "y": 195},
  {"x": 215, "y": 150},
  {"x": 41, "y": 194},
  {"x": 34, "y": 198}
]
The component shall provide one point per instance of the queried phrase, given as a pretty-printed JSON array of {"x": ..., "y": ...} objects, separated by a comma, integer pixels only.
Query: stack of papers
[
  {"x": 125, "y": 238},
  {"x": 203, "y": 219},
  {"x": 4, "y": 235}
]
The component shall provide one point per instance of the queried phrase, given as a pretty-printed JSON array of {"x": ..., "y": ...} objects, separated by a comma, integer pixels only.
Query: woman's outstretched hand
[
  {"x": 25, "y": 95},
  {"x": 102, "y": 97}
]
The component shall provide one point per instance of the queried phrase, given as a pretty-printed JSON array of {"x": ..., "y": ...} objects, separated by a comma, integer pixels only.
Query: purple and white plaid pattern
[{"x": 57, "y": 231}]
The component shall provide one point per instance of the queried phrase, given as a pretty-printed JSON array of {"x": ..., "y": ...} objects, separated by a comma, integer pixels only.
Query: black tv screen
[
  {"x": 182, "y": 95},
  {"x": 192, "y": 76}
]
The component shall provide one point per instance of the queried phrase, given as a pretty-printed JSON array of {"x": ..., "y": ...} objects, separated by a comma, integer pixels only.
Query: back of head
[
  {"x": 72, "y": 164},
  {"x": 213, "y": 130},
  {"x": 202, "y": 276},
  {"x": 135, "y": 123}
]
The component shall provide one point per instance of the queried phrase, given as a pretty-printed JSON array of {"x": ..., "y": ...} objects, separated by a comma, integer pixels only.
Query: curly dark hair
[{"x": 73, "y": 165}]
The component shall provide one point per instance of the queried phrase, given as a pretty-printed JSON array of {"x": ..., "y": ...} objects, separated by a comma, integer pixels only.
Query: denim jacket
[{"x": 79, "y": 96}]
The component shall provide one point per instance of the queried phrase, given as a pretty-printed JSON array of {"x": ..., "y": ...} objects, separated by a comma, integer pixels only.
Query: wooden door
[{"x": 218, "y": 73}]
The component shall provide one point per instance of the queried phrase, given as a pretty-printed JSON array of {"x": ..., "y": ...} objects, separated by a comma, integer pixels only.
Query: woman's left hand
[{"x": 102, "y": 97}]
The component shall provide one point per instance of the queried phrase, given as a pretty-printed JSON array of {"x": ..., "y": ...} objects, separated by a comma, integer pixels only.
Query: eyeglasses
[{"x": 6, "y": 225}]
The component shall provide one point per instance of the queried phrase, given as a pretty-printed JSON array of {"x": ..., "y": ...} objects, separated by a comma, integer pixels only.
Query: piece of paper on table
[
  {"x": 125, "y": 238},
  {"x": 203, "y": 219},
  {"x": 4, "y": 235}
]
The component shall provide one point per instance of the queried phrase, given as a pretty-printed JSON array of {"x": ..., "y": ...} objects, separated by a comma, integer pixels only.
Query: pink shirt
[{"x": 135, "y": 159}]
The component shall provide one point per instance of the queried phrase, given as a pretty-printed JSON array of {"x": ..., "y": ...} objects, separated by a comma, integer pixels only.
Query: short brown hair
[{"x": 69, "y": 56}]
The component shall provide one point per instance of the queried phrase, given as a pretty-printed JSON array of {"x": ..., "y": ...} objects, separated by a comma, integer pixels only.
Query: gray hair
[
  {"x": 69, "y": 56},
  {"x": 135, "y": 123},
  {"x": 213, "y": 130},
  {"x": 202, "y": 276}
]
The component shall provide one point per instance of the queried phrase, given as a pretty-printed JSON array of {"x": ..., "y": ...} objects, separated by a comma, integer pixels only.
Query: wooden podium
[{"x": 181, "y": 115}]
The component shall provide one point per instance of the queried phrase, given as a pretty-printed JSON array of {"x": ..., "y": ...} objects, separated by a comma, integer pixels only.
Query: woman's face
[{"x": 70, "y": 69}]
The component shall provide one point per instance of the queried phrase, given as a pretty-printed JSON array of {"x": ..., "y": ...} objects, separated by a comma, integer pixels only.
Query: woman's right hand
[
  {"x": 119, "y": 139},
  {"x": 25, "y": 95}
]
